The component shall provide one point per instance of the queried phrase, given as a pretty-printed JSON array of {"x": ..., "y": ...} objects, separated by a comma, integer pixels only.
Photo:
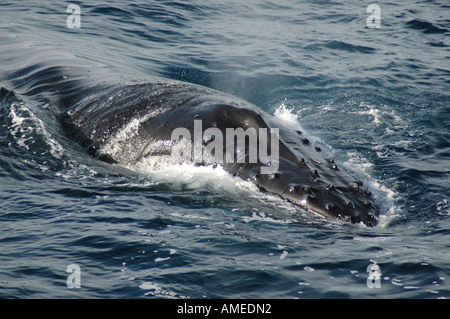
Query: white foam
[
  {"x": 129, "y": 130},
  {"x": 25, "y": 124},
  {"x": 263, "y": 217},
  {"x": 443, "y": 207},
  {"x": 371, "y": 110},
  {"x": 385, "y": 197},
  {"x": 154, "y": 289},
  {"x": 285, "y": 114},
  {"x": 17, "y": 126},
  {"x": 187, "y": 175}
]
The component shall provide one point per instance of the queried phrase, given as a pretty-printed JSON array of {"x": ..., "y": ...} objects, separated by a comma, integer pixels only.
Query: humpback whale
[{"x": 128, "y": 123}]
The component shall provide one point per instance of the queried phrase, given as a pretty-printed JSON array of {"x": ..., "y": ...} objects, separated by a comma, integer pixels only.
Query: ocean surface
[{"x": 376, "y": 98}]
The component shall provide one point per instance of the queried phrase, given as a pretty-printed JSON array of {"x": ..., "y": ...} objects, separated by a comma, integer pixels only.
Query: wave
[{"x": 425, "y": 26}]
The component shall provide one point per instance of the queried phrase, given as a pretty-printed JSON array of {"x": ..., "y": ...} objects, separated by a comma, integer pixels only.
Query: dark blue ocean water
[{"x": 377, "y": 99}]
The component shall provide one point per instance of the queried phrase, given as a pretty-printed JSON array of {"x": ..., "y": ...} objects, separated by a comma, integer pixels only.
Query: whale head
[
  {"x": 338, "y": 197},
  {"x": 278, "y": 160},
  {"x": 301, "y": 173}
]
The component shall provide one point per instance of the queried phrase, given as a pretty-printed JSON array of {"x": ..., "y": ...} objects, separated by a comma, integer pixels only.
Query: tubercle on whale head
[
  {"x": 343, "y": 203},
  {"x": 316, "y": 183},
  {"x": 318, "y": 186}
]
